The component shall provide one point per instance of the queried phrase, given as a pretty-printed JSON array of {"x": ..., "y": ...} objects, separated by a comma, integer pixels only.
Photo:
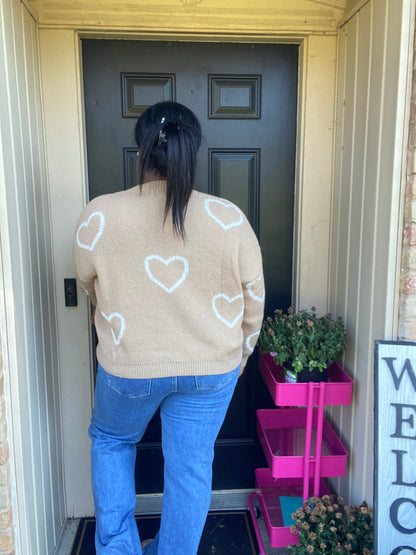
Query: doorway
[{"x": 245, "y": 96}]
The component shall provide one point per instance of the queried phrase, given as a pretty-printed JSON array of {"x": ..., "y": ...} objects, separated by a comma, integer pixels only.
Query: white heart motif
[
  {"x": 86, "y": 224},
  {"x": 248, "y": 341},
  {"x": 166, "y": 263},
  {"x": 251, "y": 292},
  {"x": 228, "y": 323},
  {"x": 122, "y": 325},
  {"x": 237, "y": 217}
]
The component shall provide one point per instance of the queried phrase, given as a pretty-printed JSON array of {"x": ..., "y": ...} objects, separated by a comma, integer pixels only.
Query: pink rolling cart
[{"x": 300, "y": 446}]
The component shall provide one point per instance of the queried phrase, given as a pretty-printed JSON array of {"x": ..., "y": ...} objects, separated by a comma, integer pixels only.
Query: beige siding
[
  {"x": 370, "y": 123},
  {"x": 27, "y": 307}
]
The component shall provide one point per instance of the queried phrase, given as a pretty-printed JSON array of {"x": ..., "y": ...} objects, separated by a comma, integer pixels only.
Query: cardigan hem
[{"x": 168, "y": 368}]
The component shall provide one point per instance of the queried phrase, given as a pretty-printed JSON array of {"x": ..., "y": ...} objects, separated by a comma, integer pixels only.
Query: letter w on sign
[{"x": 407, "y": 367}]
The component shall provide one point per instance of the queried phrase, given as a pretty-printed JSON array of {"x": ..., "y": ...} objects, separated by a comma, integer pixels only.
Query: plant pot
[{"x": 305, "y": 375}]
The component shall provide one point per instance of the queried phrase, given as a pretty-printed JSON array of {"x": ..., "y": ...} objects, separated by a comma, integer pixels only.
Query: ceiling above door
[{"x": 207, "y": 16}]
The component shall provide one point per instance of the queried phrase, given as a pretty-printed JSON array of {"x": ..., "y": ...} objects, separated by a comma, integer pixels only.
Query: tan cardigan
[{"x": 165, "y": 306}]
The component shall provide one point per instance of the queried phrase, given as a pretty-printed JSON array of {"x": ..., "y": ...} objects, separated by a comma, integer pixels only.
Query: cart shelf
[
  {"x": 282, "y": 434},
  {"x": 269, "y": 492},
  {"x": 338, "y": 389}
]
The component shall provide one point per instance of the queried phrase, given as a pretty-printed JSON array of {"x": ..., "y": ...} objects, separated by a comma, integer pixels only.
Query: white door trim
[
  {"x": 66, "y": 155},
  {"x": 66, "y": 162}
]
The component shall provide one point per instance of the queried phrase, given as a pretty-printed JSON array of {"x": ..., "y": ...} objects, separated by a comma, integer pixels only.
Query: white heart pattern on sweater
[
  {"x": 222, "y": 317},
  {"x": 167, "y": 272},
  {"x": 90, "y": 246},
  {"x": 251, "y": 292},
  {"x": 119, "y": 317},
  {"x": 230, "y": 217},
  {"x": 249, "y": 345}
]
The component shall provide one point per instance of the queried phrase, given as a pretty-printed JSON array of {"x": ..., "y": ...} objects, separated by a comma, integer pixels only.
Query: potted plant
[
  {"x": 325, "y": 525},
  {"x": 304, "y": 343}
]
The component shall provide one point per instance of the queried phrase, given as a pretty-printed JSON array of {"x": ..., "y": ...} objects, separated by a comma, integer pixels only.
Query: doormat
[{"x": 225, "y": 533}]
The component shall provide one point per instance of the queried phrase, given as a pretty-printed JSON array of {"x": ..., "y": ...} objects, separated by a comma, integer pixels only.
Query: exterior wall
[
  {"x": 31, "y": 459},
  {"x": 408, "y": 276},
  {"x": 367, "y": 209},
  {"x": 366, "y": 217}
]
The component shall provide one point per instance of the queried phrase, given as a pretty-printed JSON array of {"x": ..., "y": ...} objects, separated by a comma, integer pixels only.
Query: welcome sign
[{"x": 395, "y": 448}]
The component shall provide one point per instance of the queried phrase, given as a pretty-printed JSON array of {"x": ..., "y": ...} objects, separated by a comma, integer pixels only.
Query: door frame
[{"x": 62, "y": 86}]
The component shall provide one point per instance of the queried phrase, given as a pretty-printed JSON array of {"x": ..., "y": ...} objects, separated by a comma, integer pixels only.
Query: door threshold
[
  {"x": 222, "y": 500},
  {"x": 67, "y": 536}
]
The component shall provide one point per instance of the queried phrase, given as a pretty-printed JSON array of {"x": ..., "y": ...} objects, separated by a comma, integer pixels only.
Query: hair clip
[
  {"x": 163, "y": 120},
  {"x": 162, "y": 138}
]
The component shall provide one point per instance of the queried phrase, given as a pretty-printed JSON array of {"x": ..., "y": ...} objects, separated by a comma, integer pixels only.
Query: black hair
[{"x": 168, "y": 136}]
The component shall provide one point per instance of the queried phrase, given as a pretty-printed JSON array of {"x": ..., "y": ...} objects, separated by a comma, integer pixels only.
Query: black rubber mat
[{"x": 225, "y": 533}]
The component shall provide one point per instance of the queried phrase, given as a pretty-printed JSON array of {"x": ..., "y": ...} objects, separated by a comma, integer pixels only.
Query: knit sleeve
[
  {"x": 251, "y": 272},
  {"x": 88, "y": 232}
]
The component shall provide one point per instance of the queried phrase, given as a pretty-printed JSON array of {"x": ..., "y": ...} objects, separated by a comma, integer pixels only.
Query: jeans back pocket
[
  {"x": 127, "y": 387},
  {"x": 215, "y": 381}
]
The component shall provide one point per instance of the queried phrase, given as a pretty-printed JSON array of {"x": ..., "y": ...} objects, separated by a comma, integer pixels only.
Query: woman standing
[{"x": 176, "y": 279}]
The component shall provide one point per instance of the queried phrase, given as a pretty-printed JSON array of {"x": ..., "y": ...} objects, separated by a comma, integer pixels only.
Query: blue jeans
[{"x": 192, "y": 410}]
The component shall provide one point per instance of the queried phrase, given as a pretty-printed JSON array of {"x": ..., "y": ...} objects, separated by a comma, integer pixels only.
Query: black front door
[{"x": 245, "y": 96}]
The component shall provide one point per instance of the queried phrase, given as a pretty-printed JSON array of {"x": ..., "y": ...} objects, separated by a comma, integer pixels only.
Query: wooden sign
[{"x": 395, "y": 448}]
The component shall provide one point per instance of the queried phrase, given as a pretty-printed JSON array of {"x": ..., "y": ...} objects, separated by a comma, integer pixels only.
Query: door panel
[
  {"x": 245, "y": 96},
  {"x": 234, "y": 174}
]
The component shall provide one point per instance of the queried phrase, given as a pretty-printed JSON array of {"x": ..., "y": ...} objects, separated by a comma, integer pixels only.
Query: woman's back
[{"x": 167, "y": 305}]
